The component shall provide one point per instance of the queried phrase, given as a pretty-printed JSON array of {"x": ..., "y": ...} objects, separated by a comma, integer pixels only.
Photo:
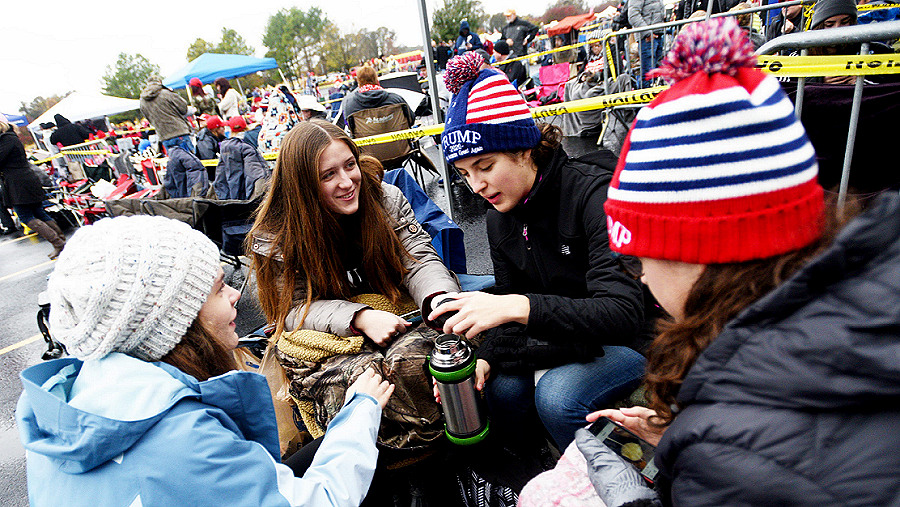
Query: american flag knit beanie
[
  {"x": 486, "y": 113},
  {"x": 717, "y": 168}
]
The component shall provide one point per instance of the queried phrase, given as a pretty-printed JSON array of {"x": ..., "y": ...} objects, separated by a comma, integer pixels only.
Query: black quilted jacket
[{"x": 797, "y": 402}]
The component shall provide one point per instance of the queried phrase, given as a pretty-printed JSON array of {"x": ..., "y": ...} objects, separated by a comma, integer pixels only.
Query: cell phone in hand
[
  {"x": 413, "y": 317},
  {"x": 630, "y": 447}
]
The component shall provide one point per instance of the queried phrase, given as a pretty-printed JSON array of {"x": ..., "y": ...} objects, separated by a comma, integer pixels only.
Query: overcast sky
[{"x": 53, "y": 46}]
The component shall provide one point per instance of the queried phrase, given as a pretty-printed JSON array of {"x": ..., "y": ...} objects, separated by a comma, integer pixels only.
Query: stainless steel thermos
[{"x": 452, "y": 365}]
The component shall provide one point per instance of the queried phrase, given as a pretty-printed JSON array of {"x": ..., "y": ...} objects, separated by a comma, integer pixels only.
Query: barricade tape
[
  {"x": 84, "y": 152},
  {"x": 542, "y": 53},
  {"x": 832, "y": 65},
  {"x": 70, "y": 152},
  {"x": 604, "y": 101},
  {"x": 871, "y": 7},
  {"x": 790, "y": 66}
]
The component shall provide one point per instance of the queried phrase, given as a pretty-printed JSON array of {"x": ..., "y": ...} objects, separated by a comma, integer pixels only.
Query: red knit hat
[
  {"x": 237, "y": 123},
  {"x": 717, "y": 168},
  {"x": 195, "y": 81}
]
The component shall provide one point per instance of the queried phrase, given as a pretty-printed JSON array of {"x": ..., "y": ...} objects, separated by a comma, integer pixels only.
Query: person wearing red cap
[
  {"x": 209, "y": 138},
  {"x": 242, "y": 173},
  {"x": 204, "y": 103},
  {"x": 774, "y": 380}
]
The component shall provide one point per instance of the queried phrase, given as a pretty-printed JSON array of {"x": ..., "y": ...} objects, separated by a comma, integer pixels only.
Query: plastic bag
[{"x": 290, "y": 437}]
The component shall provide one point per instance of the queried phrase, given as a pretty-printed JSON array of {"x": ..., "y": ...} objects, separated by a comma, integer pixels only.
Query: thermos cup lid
[{"x": 451, "y": 359}]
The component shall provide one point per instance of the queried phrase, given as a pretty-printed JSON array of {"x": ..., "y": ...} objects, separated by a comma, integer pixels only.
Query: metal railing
[{"x": 861, "y": 34}]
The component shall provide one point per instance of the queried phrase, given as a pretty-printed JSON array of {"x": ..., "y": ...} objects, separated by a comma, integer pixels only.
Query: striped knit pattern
[
  {"x": 130, "y": 284},
  {"x": 494, "y": 100},
  {"x": 716, "y": 169},
  {"x": 486, "y": 115}
]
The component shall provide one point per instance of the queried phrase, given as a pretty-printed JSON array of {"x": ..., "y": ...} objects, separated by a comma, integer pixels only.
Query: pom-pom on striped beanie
[
  {"x": 130, "y": 284},
  {"x": 717, "y": 168},
  {"x": 486, "y": 113}
]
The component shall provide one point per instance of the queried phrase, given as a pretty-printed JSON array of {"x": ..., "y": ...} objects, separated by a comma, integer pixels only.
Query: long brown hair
[
  {"x": 200, "y": 354},
  {"x": 712, "y": 302},
  {"x": 308, "y": 234}
]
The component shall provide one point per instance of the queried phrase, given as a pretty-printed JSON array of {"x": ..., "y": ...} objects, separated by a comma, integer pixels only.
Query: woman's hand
[
  {"x": 479, "y": 311},
  {"x": 634, "y": 419},
  {"x": 379, "y": 326},
  {"x": 482, "y": 373},
  {"x": 372, "y": 384}
]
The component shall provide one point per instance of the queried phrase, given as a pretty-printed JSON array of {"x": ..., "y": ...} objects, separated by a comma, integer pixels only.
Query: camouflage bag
[{"x": 412, "y": 419}]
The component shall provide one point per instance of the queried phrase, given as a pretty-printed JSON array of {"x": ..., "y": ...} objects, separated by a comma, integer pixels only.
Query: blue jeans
[
  {"x": 563, "y": 396},
  {"x": 651, "y": 54},
  {"x": 183, "y": 141},
  {"x": 28, "y": 212}
]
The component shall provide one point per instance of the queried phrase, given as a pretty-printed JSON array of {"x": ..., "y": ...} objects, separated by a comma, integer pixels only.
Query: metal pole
[
  {"x": 801, "y": 89},
  {"x": 283, "y": 79},
  {"x": 851, "y": 135},
  {"x": 433, "y": 92}
]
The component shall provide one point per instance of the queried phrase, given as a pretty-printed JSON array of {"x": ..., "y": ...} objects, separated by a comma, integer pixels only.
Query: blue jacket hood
[
  {"x": 464, "y": 25},
  {"x": 81, "y": 441}
]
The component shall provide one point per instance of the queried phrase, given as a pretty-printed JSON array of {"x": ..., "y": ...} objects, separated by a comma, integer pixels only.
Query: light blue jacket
[{"x": 123, "y": 432}]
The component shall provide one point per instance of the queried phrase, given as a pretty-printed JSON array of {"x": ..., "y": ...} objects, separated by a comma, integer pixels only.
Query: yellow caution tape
[
  {"x": 832, "y": 65},
  {"x": 789, "y": 66},
  {"x": 615, "y": 99},
  {"x": 870, "y": 7},
  {"x": 48, "y": 159},
  {"x": 549, "y": 51},
  {"x": 84, "y": 152},
  {"x": 413, "y": 133},
  {"x": 643, "y": 96},
  {"x": 212, "y": 162},
  {"x": 610, "y": 62}
]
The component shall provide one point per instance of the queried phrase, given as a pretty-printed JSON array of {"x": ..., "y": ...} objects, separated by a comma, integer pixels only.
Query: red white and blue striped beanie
[
  {"x": 486, "y": 113},
  {"x": 717, "y": 168}
]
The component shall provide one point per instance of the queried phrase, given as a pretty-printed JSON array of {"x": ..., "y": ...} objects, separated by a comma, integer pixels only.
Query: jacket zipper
[{"x": 525, "y": 234}]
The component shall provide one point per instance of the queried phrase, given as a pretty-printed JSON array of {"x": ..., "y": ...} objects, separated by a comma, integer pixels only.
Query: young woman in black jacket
[
  {"x": 565, "y": 304},
  {"x": 23, "y": 191}
]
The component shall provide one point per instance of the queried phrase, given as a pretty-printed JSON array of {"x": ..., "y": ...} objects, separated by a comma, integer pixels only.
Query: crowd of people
[{"x": 702, "y": 281}]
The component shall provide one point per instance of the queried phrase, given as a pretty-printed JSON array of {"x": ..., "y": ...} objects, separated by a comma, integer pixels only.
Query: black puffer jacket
[
  {"x": 797, "y": 402},
  {"x": 553, "y": 248},
  {"x": 20, "y": 184}
]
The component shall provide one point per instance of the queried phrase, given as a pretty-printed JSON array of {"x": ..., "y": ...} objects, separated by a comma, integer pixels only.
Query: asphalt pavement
[{"x": 23, "y": 275}]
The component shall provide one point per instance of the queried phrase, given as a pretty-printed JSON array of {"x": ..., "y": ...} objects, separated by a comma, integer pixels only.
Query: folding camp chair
[
  {"x": 393, "y": 154},
  {"x": 553, "y": 80}
]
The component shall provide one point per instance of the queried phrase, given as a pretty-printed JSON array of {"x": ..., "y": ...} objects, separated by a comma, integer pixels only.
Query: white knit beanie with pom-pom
[{"x": 130, "y": 284}]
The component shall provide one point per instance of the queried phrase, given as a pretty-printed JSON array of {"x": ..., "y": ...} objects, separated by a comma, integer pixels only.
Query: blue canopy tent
[
  {"x": 210, "y": 66},
  {"x": 16, "y": 119}
]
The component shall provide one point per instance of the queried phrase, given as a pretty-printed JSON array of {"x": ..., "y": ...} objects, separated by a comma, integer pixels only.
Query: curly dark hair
[{"x": 713, "y": 302}]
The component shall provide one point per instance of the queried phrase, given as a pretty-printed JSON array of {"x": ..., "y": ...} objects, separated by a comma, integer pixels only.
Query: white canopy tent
[{"x": 85, "y": 105}]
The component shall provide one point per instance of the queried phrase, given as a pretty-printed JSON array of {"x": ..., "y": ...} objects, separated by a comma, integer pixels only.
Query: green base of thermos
[{"x": 469, "y": 440}]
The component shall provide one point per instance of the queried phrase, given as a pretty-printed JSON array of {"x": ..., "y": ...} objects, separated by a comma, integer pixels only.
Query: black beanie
[
  {"x": 825, "y": 9},
  {"x": 502, "y": 47}
]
